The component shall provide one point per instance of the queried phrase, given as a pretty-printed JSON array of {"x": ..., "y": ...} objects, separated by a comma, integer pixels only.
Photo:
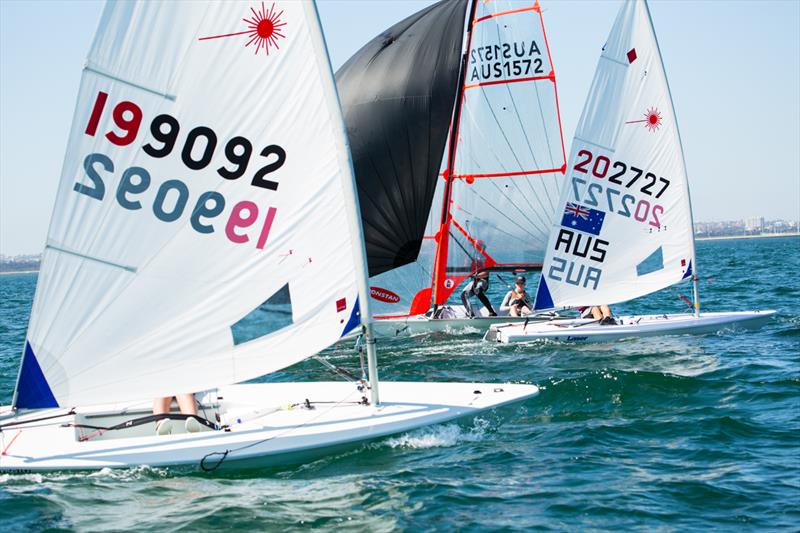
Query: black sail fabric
[{"x": 397, "y": 95}]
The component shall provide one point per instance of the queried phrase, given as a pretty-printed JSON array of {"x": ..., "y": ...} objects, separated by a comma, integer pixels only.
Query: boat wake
[{"x": 441, "y": 436}]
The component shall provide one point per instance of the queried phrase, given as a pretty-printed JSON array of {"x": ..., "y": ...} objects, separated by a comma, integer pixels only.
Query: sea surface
[{"x": 660, "y": 434}]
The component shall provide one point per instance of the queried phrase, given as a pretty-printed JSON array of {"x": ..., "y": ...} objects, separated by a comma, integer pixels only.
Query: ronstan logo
[{"x": 384, "y": 295}]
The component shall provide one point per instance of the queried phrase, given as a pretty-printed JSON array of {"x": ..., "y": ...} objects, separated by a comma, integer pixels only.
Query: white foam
[{"x": 440, "y": 436}]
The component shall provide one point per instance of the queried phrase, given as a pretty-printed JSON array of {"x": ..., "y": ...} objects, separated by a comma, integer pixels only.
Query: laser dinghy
[
  {"x": 205, "y": 233},
  {"x": 624, "y": 225}
]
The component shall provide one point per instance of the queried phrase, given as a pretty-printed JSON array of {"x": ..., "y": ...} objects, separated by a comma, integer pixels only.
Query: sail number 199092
[{"x": 196, "y": 153}]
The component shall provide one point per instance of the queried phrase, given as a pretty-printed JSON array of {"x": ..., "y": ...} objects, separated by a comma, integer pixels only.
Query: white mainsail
[
  {"x": 509, "y": 152},
  {"x": 624, "y": 224},
  {"x": 206, "y": 170}
]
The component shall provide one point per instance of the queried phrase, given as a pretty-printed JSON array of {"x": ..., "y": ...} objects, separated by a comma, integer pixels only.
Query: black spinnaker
[{"x": 397, "y": 95}]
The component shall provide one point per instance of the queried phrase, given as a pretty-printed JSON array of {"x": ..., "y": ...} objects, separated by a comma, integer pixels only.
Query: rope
[
  {"x": 32, "y": 420},
  {"x": 134, "y": 422},
  {"x": 307, "y": 404}
]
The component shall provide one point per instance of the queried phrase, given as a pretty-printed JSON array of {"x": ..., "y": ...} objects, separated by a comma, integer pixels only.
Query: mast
[
  {"x": 354, "y": 220},
  {"x": 693, "y": 264},
  {"x": 440, "y": 263}
]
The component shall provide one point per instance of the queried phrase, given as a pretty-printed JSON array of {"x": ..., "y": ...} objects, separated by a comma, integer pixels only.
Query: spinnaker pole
[
  {"x": 693, "y": 263},
  {"x": 440, "y": 262}
]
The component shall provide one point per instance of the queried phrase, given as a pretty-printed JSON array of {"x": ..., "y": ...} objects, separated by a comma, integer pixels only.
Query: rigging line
[
  {"x": 262, "y": 441},
  {"x": 502, "y": 131},
  {"x": 466, "y": 252},
  {"x": 501, "y": 230},
  {"x": 516, "y": 111},
  {"x": 527, "y": 200},
  {"x": 550, "y": 154},
  {"x": 474, "y": 126},
  {"x": 336, "y": 369},
  {"x": 518, "y": 208},
  {"x": 32, "y": 420},
  {"x": 519, "y": 164},
  {"x": 528, "y": 181},
  {"x": 487, "y": 222},
  {"x": 546, "y": 134},
  {"x": 513, "y": 222}
]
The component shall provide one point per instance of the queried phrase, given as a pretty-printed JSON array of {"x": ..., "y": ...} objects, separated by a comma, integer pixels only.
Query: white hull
[
  {"x": 264, "y": 430},
  {"x": 588, "y": 330},
  {"x": 456, "y": 323}
]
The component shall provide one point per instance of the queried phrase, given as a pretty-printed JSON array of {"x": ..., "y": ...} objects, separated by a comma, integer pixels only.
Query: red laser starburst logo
[
  {"x": 652, "y": 119},
  {"x": 263, "y": 29}
]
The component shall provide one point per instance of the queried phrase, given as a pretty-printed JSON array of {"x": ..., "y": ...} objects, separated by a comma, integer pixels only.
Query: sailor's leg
[
  {"x": 161, "y": 405},
  {"x": 467, "y": 305},
  {"x": 487, "y": 304},
  {"x": 512, "y": 311},
  {"x": 187, "y": 404}
]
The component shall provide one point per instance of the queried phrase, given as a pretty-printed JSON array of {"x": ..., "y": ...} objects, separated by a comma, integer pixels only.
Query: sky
[{"x": 733, "y": 67}]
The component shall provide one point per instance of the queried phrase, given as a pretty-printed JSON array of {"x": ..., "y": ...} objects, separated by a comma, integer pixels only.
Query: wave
[{"x": 441, "y": 436}]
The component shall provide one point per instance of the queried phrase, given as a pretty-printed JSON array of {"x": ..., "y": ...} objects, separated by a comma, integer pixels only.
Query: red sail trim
[
  {"x": 469, "y": 177},
  {"x": 550, "y": 77},
  {"x": 489, "y": 261},
  {"x": 534, "y": 7},
  {"x": 538, "y": 9},
  {"x": 440, "y": 263}
]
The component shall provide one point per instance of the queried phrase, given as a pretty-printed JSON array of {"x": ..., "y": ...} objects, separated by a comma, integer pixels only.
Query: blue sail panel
[
  {"x": 543, "y": 298},
  {"x": 33, "y": 392},
  {"x": 353, "y": 321}
]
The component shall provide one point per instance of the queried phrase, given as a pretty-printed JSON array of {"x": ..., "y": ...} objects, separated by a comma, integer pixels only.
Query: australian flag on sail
[{"x": 583, "y": 218}]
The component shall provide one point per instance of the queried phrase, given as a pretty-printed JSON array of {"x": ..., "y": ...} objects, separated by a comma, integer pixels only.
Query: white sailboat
[
  {"x": 207, "y": 183},
  {"x": 458, "y": 152},
  {"x": 624, "y": 228}
]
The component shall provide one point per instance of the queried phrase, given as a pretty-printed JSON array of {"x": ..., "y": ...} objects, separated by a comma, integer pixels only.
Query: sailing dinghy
[
  {"x": 458, "y": 155},
  {"x": 205, "y": 233},
  {"x": 624, "y": 227}
]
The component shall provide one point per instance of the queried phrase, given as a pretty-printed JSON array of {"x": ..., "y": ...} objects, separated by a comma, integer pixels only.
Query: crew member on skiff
[
  {"x": 477, "y": 287},
  {"x": 516, "y": 301}
]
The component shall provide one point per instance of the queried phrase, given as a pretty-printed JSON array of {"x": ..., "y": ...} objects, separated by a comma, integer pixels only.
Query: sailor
[
  {"x": 601, "y": 313},
  {"x": 477, "y": 286},
  {"x": 187, "y": 405},
  {"x": 516, "y": 301}
]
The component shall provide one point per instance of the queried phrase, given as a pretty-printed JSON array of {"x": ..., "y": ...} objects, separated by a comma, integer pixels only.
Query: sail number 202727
[
  {"x": 173, "y": 195},
  {"x": 614, "y": 200}
]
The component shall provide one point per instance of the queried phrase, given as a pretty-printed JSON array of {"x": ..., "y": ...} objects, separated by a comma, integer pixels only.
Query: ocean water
[{"x": 660, "y": 434}]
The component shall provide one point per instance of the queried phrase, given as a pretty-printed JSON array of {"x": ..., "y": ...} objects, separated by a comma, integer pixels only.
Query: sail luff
[
  {"x": 443, "y": 235},
  {"x": 353, "y": 209},
  {"x": 695, "y": 290}
]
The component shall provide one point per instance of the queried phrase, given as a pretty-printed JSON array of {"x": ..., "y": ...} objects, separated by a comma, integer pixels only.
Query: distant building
[{"x": 754, "y": 225}]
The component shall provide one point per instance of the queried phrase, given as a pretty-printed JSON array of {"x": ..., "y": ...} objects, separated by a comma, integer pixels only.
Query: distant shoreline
[
  {"x": 716, "y": 238},
  {"x": 734, "y": 237}
]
